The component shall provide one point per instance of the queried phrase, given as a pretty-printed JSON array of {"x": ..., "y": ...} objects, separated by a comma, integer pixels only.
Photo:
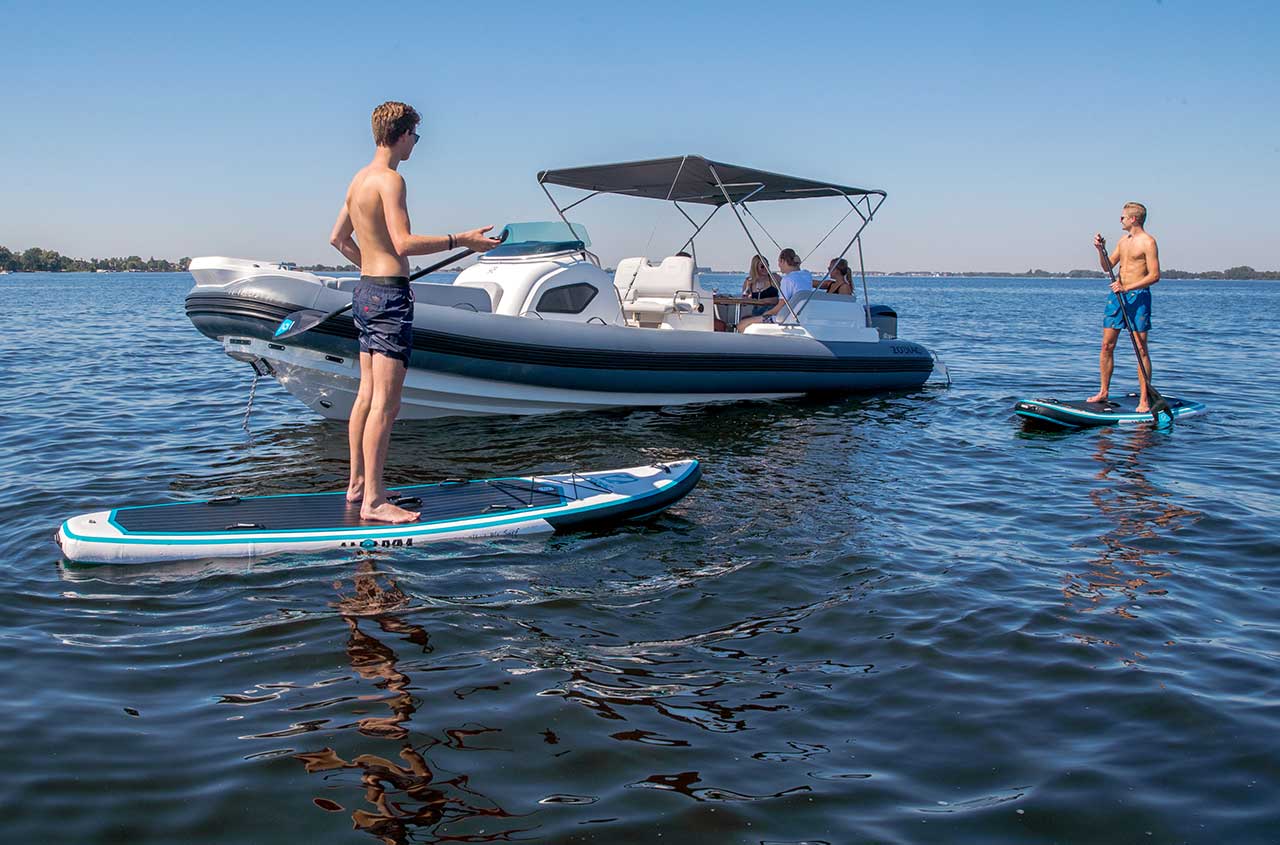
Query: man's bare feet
[
  {"x": 1097, "y": 397},
  {"x": 387, "y": 512},
  {"x": 1143, "y": 408},
  {"x": 355, "y": 492}
]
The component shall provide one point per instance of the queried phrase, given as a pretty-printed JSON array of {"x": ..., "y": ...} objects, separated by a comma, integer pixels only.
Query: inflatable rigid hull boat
[
  {"x": 536, "y": 325},
  {"x": 255, "y": 527}
]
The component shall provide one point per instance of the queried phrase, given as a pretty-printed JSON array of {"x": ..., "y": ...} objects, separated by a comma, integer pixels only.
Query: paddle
[
  {"x": 306, "y": 319},
  {"x": 1158, "y": 403}
]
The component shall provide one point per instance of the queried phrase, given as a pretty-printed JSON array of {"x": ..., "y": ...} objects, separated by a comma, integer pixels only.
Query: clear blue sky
[{"x": 1004, "y": 133}]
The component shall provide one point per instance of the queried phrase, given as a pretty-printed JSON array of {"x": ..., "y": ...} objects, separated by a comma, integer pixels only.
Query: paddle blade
[
  {"x": 297, "y": 323},
  {"x": 1159, "y": 406},
  {"x": 303, "y": 320}
]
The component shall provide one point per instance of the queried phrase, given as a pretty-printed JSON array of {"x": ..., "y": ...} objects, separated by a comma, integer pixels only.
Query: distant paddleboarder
[
  {"x": 382, "y": 303},
  {"x": 1139, "y": 265}
]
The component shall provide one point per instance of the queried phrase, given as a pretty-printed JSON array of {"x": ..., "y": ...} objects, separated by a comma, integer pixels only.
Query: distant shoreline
[
  {"x": 1170, "y": 275},
  {"x": 38, "y": 260}
]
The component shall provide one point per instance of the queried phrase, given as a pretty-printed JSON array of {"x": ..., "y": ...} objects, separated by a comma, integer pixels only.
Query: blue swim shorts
[
  {"x": 1137, "y": 304},
  {"x": 383, "y": 310}
]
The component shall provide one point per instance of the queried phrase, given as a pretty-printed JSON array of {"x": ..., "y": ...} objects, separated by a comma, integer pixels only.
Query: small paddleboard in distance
[
  {"x": 1059, "y": 414},
  {"x": 257, "y": 526}
]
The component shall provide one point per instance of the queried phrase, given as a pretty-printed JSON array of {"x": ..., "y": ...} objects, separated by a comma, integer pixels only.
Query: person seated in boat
[
  {"x": 762, "y": 284},
  {"x": 794, "y": 280},
  {"x": 839, "y": 278}
]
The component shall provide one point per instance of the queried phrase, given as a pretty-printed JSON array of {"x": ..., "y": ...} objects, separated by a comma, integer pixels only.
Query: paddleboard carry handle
[{"x": 246, "y": 526}]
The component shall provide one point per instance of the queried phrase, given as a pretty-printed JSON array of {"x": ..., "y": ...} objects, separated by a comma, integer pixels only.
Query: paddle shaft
[{"x": 457, "y": 256}]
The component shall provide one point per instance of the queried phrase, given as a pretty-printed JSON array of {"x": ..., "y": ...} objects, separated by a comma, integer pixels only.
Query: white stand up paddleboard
[{"x": 252, "y": 527}]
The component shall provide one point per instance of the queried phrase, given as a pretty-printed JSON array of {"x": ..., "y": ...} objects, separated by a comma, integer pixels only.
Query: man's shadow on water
[
  {"x": 1130, "y": 562},
  {"x": 411, "y": 798}
]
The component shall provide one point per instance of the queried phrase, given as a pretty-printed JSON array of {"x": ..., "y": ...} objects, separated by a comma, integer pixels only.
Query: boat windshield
[{"x": 547, "y": 231}]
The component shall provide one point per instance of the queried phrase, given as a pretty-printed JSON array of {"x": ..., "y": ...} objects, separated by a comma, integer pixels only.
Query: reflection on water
[
  {"x": 1129, "y": 561},
  {"x": 410, "y": 797}
]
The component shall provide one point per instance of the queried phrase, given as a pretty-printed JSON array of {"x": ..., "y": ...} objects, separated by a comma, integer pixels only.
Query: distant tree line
[
  {"x": 36, "y": 259},
  {"x": 1242, "y": 272}
]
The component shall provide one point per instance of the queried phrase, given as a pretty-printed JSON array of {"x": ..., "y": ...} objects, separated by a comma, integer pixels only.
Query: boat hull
[{"x": 467, "y": 363}]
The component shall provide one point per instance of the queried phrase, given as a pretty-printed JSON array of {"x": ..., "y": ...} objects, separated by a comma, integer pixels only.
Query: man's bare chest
[{"x": 1131, "y": 253}]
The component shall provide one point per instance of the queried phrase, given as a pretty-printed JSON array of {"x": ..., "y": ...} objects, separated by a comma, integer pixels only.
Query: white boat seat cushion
[
  {"x": 452, "y": 296},
  {"x": 637, "y": 279}
]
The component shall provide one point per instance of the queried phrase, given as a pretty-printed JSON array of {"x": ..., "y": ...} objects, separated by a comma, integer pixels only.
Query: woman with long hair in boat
[
  {"x": 761, "y": 283},
  {"x": 839, "y": 277}
]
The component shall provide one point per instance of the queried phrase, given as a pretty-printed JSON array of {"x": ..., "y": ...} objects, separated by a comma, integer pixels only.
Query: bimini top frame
[{"x": 698, "y": 180}]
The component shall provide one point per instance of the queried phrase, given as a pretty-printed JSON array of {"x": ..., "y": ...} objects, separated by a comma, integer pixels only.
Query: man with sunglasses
[
  {"x": 1139, "y": 264},
  {"x": 373, "y": 232}
]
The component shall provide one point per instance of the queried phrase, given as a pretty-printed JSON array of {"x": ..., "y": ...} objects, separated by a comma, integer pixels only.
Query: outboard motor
[{"x": 885, "y": 320}]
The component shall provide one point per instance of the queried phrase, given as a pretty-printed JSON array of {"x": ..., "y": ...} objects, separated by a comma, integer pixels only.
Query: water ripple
[{"x": 895, "y": 618}]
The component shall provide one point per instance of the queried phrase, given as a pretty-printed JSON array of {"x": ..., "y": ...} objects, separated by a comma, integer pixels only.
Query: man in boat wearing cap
[
  {"x": 373, "y": 232},
  {"x": 1139, "y": 264}
]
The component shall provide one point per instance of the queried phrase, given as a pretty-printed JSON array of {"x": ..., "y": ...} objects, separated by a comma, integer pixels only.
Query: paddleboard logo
[
  {"x": 373, "y": 544},
  {"x": 284, "y": 327}
]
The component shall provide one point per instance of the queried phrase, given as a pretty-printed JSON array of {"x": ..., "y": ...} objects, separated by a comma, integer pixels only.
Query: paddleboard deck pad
[
  {"x": 1059, "y": 414},
  {"x": 257, "y": 526}
]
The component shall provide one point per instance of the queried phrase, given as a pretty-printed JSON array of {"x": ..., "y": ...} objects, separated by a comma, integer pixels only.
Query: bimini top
[{"x": 695, "y": 179}]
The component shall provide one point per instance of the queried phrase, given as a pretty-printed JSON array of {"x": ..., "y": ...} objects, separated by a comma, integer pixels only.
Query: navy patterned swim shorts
[{"x": 383, "y": 310}]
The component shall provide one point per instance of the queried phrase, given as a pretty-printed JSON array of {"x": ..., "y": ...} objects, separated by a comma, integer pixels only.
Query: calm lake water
[{"x": 881, "y": 619}]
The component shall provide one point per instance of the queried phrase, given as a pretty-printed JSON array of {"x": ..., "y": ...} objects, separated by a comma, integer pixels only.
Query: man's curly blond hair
[{"x": 392, "y": 120}]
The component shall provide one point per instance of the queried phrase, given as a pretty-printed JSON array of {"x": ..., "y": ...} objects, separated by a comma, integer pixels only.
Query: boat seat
[
  {"x": 452, "y": 296},
  {"x": 492, "y": 288},
  {"x": 648, "y": 291},
  {"x": 481, "y": 296},
  {"x": 819, "y": 306}
]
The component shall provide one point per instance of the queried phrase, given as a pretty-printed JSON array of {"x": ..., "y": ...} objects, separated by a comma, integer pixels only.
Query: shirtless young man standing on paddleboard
[
  {"x": 382, "y": 303},
  {"x": 1139, "y": 264}
]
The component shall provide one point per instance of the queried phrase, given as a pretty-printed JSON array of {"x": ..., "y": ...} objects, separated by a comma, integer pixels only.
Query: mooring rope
[{"x": 248, "y": 408}]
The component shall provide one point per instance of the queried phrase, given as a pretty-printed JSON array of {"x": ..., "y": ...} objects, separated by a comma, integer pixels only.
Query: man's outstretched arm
[
  {"x": 406, "y": 243},
  {"x": 342, "y": 238}
]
